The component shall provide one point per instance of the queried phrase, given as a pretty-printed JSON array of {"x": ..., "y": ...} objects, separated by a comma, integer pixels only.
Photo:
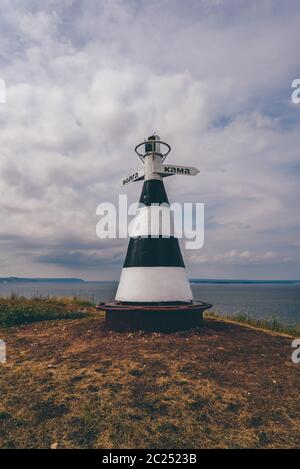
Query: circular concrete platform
[{"x": 125, "y": 317}]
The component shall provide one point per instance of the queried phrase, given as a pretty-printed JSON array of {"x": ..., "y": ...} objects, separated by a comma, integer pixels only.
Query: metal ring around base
[{"x": 119, "y": 306}]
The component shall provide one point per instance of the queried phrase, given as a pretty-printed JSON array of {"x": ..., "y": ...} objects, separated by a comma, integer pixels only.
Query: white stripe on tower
[{"x": 154, "y": 284}]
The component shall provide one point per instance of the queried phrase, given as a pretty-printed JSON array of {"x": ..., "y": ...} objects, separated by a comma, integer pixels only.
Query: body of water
[{"x": 258, "y": 300}]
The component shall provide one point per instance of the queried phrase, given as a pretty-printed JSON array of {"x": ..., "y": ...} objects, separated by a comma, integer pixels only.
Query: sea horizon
[
  {"x": 256, "y": 298},
  {"x": 13, "y": 279}
]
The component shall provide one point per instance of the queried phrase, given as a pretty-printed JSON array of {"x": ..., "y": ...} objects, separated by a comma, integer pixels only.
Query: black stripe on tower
[
  {"x": 153, "y": 252},
  {"x": 153, "y": 192},
  {"x": 158, "y": 251}
]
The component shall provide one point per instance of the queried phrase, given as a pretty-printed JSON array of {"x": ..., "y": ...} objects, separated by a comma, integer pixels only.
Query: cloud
[
  {"x": 78, "y": 259},
  {"x": 234, "y": 257},
  {"x": 85, "y": 83}
]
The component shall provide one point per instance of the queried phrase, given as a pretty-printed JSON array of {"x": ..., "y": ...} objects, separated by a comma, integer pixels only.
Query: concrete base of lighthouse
[{"x": 125, "y": 317}]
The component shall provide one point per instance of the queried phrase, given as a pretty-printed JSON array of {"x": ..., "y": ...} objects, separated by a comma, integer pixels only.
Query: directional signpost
[
  {"x": 137, "y": 176},
  {"x": 167, "y": 170},
  {"x": 184, "y": 170}
]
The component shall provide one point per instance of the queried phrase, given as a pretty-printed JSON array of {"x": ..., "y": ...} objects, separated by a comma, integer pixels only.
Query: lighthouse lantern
[{"x": 152, "y": 144}]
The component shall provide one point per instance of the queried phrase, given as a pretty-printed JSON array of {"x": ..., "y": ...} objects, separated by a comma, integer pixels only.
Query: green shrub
[{"x": 18, "y": 310}]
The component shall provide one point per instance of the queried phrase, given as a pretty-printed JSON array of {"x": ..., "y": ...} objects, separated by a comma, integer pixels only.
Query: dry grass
[
  {"x": 271, "y": 323},
  {"x": 69, "y": 382}
]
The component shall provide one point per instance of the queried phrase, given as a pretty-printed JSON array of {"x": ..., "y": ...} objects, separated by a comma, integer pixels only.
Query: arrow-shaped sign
[
  {"x": 170, "y": 170},
  {"x": 137, "y": 176}
]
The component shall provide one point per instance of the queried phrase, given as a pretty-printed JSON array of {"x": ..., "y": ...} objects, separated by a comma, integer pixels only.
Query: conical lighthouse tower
[
  {"x": 154, "y": 292},
  {"x": 153, "y": 270}
]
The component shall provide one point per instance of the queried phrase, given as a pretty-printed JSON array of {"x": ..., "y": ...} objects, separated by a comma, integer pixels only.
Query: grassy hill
[{"x": 68, "y": 383}]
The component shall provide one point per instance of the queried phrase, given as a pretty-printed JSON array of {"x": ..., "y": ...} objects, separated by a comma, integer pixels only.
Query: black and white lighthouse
[{"x": 154, "y": 292}]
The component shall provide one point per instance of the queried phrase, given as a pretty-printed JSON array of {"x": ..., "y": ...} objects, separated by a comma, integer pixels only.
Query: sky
[{"x": 88, "y": 80}]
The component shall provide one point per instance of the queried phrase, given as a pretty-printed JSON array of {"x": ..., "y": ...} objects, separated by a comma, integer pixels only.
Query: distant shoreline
[
  {"x": 192, "y": 280},
  {"x": 54, "y": 280},
  {"x": 224, "y": 281}
]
